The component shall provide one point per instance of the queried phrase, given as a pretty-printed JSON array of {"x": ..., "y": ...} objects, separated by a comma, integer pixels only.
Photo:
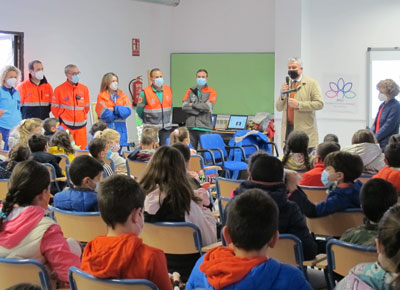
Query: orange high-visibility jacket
[
  {"x": 104, "y": 102},
  {"x": 35, "y": 99},
  {"x": 70, "y": 104},
  {"x": 156, "y": 113}
]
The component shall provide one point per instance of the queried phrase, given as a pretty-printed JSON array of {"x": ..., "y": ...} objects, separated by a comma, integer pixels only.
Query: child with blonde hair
[
  {"x": 149, "y": 142},
  {"x": 181, "y": 135},
  {"x": 113, "y": 138},
  {"x": 24, "y": 130}
]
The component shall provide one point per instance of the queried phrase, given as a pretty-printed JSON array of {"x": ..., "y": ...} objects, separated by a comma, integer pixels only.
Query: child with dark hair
[
  {"x": 60, "y": 143},
  {"x": 86, "y": 173},
  {"x": 251, "y": 228},
  {"x": 25, "y": 286},
  {"x": 26, "y": 232},
  {"x": 365, "y": 145},
  {"x": 98, "y": 148},
  {"x": 376, "y": 197},
  {"x": 99, "y": 126},
  {"x": 38, "y": 145},
  {"x": 313, "y": 176},
  {"x": 266, "y": 173},
  {"x": 50, "y": 126},
  {"x": 121, "y": 254},
  {"x": 149, "y": 142},
  {"x": 331, "y": 138},
  {"x": 385, "y": 273},
  {"x": 340, "y": 174},
  {"x": 296, "y": 152},
  {"x": 19, "y": 152},
  {"x": 391, "y": 172}
]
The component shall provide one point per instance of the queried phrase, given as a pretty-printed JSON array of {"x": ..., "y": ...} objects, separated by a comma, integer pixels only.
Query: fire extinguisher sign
[{"x": 135, "y": 47}]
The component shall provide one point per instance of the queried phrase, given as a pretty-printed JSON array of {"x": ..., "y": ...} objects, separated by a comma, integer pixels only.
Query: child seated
[
  {"x": 50, "y": 126},
  {"x": 181, "y": 135},
  {"x": 367, "y": 147},
  {"x": 383, "y": 274},
  {"x": 98, "y": 149},
  {"x": 266, "y": 173},
  {"x": 340, "y": 174},
  {"x": 121, "y": 254},
  {"x": 376, "y": 197},
  {"x": 296, "y": 152},
  {"x": 60, "y": 143},
  {"x": 20, "y": 152},
  {"x": 26, "y": 232},
  {"x": 149, "y": 142},
  {"x": 86, "y": 173},
  {"x": 113, "y": 137},
  {"x": 313, "y": 176},
  {"x": 24, "y": 131},
  {"x": 251, "y": 228},
  {"x": 38, "y": 145},
  {"x": 391, "y": 172}
]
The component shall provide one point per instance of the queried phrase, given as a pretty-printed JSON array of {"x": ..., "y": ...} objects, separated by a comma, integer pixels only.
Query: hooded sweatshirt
[
  {"x": 221, "y": 269},
  {"x": 125, "y": 257},
  {"x": 371, "y": 155},
  {"x": 29, "y": 234},
  {"x": 291, "y": 220}
]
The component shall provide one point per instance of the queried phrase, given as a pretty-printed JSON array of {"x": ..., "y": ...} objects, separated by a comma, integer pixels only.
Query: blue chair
[
  {"x": 53, "y": 176},
  {"x": 81, "y": 152},
  {"x": 82, "y": 226},
  {"x": 215, "y": 151},
  {"x": 65, "y": 164},
  {"x": 343, "y": 256},
  {"x": 167, "y": 142},
  {"x": 15, "y": 271},
  {"x": 3, "y": 189},
  {"x": 80, "y": 280}
]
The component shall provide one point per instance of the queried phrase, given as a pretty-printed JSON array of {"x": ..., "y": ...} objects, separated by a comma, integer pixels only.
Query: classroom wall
[{"x": 96, "y": 35}]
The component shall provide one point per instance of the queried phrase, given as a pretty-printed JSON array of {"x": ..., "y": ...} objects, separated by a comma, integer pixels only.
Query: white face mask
[
  {"x": 114, "y": 86},
  {"x": 39, "y": 75},
  {"x": 382, "y": 97},
  {"x": 11, "y": 82}
]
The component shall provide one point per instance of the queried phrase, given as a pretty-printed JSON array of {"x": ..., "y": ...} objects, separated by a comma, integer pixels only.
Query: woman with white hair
[
  {"x": 10, "y": 114},
  {"x": 387, "y": 120}
]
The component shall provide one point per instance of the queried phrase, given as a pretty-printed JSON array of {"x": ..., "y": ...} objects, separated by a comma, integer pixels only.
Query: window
[{"x": 12, "y": 49}]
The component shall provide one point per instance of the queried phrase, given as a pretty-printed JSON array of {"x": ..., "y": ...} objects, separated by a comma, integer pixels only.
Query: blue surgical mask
[
  {"x": 159, "y": 82},
  {"x": 201, "y": 82},
  {"x": 109, "y": 154},
  {"x": 75, "y": 78},
  {"x": 325, "y": 180}
]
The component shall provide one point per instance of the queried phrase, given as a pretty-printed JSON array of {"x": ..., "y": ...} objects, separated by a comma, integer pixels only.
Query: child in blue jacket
[
  {"x": 86, "y": 173},
  {"x": 251, "y": 228},
  {"x": 340, "y": 174}
]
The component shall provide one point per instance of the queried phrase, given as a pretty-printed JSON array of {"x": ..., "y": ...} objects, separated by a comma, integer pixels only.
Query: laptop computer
[
  {"x": 178, "y": 117},
  {"x": 237, "y": 122},
  {"x": 214, "y": 120}
]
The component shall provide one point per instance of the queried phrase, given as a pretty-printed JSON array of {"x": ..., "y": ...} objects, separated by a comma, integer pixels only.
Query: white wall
[{"x": 95, "y": 35}]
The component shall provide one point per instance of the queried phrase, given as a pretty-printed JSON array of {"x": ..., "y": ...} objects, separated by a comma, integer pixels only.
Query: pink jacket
[{"x": 20, "y": 236}]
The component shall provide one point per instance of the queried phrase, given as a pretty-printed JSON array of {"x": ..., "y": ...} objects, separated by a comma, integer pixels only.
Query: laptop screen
[
  {"x": 237, "y": 122},
  {"x": 214, "y": 120}
]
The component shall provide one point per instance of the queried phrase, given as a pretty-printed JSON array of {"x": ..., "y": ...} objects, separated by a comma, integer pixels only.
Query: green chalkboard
[{"x": 244, "y": 81}]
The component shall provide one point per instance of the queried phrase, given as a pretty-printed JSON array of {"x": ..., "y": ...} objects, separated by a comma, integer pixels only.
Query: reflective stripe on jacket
[
  {"x": 35, "y": 99},
  {"x": 70, "y": 104},
  {"x": 156, "y": 113}
]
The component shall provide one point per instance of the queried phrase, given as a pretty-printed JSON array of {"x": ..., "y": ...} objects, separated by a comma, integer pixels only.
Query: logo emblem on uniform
[
  {"x": 66, "y": 99},
  {"x": 153, "y": 101},
  {"x": 167, "y": 97},
  {"x": 140, "y": 100}
]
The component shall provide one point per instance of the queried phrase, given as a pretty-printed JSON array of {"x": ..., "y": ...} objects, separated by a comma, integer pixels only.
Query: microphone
[
  {"x": 289, "y": 91},
  {"x": 287, "y": 80}
]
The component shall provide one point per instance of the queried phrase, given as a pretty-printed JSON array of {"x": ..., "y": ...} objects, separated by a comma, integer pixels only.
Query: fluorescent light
[{"x": 163, "y": 2}]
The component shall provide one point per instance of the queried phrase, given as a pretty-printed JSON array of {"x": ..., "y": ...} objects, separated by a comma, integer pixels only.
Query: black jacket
[{"x": 291, "y": 220}]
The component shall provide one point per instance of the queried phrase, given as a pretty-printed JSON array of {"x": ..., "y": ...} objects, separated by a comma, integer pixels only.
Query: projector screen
[{"x": 383, "y": 63}]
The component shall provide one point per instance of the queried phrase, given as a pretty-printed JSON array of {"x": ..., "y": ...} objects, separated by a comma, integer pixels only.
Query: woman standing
[
  {"x": 113, "y": 106},
  {"x": 10, "y": 114},
  {"x": 387, "y": 120}
]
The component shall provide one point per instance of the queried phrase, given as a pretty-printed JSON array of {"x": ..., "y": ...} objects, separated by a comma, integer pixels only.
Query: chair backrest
[
  {"x": 4, "y": 153},
  {"x": 52, "y": 171},
  {"x": 343, "y": 256},
  {"x": 364, "y": 178},
  {"x": 315, "y": 194},
  {"x": 209, "y": 141},
  {"x": 64, "y": 164},
  {"x": 3, "y": 188},
  {"x": 288, "y": 250},
  {"x": 126, "y": 153},
  {"x": 15, "y": 271},
  {"x": 196, "y": 163},
  {"x": 226, "y": 186},
  {"x": 81, "y": 152},
  {"x": 173, "y": 238},
  {"x": 82, "y": 226},
  {"x": 135, "y": 168},
  {"x": 336, "y": 224},
  {"x": 110, "y": 162},
  {"x": 80, "y": 280},
  {"x": 222, "y": 203}
]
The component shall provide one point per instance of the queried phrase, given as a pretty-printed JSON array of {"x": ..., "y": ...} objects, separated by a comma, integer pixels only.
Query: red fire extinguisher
[{"x": 135, "y": 88}]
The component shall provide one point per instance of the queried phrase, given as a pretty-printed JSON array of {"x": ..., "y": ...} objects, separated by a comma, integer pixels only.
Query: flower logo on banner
[{"x": 340, "y": 89}]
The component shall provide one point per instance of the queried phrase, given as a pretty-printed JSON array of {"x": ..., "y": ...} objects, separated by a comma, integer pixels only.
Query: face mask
[
  {"x": 39, "y": 75},
  {"x": 109, "y": 154},
  {"x": 293, "y": 74},
  {"x": 42, "y": 131},
  {"x": 159, "y": 82},
  {"x": 11, "y": 82},
  {"x": 325, "y": 179},
  {"x": 75, "y": 78},
  {"x": 382, "y": 97},
  {"x": 96, "y": 185},
  {"x": 114, "y": 86},
  {"x": 201, "y": 82},
  {"x": 115, "y": 148}
]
